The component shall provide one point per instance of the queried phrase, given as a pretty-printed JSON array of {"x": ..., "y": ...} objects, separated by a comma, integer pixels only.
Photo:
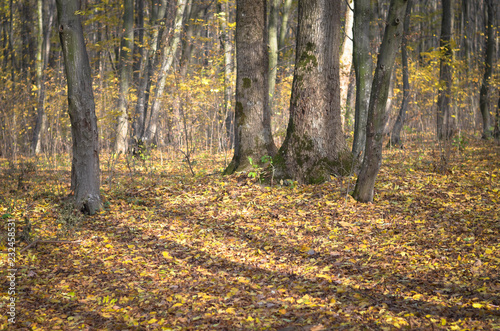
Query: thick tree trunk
[
  {"x": 363, "y": 69},
  {"x": 167, "y": 58},
  {"x": 253, "y": 138},
  {"x": 396, "y": 129},
  {"x": 85, "y": 166},
  {"x": 314, "y": 147},
  {"x": 127, "y": 49},
  {"x": 377, "y": 115},
  {"x": 488, "y": 70},
  {"x": 444, "y": 119}
]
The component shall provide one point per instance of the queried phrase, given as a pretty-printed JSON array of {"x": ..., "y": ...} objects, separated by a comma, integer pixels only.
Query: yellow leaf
[
  {"x": 109, "y": 246},
  {"x": 178, "y": 304},
  {"x": 417, "y": 296},
  {"x": 488, "y": 251},
  {"x": 443, "y": 321},
  {"x": 477, "y": 305},
  {"x": 282, "y": 311},
  {"x": 166, "y": 255},
  {"x": 230, "y": 310},
  {"x": 153, "y": 320}
]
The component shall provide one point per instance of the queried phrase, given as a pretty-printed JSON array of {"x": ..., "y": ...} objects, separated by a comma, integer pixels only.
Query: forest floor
[{"x": 175, "y": 251}]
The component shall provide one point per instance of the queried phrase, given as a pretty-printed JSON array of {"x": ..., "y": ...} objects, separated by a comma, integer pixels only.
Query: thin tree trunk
[
  {"x": 314, "y": 147},
  {"x": 85, "y": 171},
  {"x": 167, "y": 59},
  {"x": 346, "y": 57},
  {"x": 126, "y": 64},
  {"x": 396, "y": 130},
  {"x": 377, "y": 114},
  {"x": 253, "y": 138},
  {"x": 363, "y": 69},
  {"x": 284, "y": 24},
  {"x": 273, "y": 49},
  {"x": 444, "y": 120},
  {"x": 488, "y": 70}
]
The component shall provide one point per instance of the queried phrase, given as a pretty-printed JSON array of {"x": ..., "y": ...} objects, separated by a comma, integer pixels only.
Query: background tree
[
  {"x": 444, "y": 119},
  {"x": 85, "y": 170},
  {"x": 126, "y": 51},
  {"x": 488, "y": 70},
  {"x": 252, "y": 116},
  {"x": 314, "y": 146},
  {"x": 377, "y": 115}
]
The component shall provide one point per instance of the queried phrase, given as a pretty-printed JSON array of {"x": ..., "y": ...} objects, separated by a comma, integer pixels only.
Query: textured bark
[
  {"x": 284, "y": 24},
  {"x": 488, "y": 70},
  {"x": 127, "y": 49},
  {"x": 166, "y": 61},
  {"x": 314, "y": 147},
  {"x": 363, "y": 69},
  {"x": 85, "y": 164},
  {"x": 396, "y": 129},
  {"x": 377, "y": 114},
  {"x": 253, "y": 138},
  {"x": 444, "y": 122}
]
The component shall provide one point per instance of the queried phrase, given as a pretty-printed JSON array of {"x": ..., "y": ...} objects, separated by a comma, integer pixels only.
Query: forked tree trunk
[
  {"x": 444, "y": 119},
  {"x": 396, "y": 130},
  {"x": 377, "y": 114},
  {"x": 127, "y": 49},
  {"x": 81, "y": 108},
  {"x": 253, "y": 138},
  {"x": 314, "y": 147},
  {"x": 363, "y": 69}
]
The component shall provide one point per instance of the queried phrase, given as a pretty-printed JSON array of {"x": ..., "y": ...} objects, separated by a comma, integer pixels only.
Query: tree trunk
[
  {"x": 85, "y": 165},
  {"x": 273, "y": 49},
  {"x": 346, "y": 56},
  {"x": 127, "y": 49},
  {"x": 167, "y": 58},
  {"x": 396, "y": 130},
  {"x": 284, "y": 24},
  {"x": 377, "y": 115},
  {"x": 363, "y": 69},
  {"x": 253, "y": 138},
  {"x": 488, "y": 70},
  {"x": 314, "y": 146},
  {"x": 444, "y": 123}
]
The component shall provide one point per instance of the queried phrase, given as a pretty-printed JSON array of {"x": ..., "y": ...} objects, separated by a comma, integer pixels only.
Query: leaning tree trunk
[
  {"x": 488, "y": 70},
  {"x": 127, "y": 49},
  {"x": 166, "y": 61},
  {"x": 377, "y": 114},
  {"x": 396, "y": 130},
  {"x": 363, "y": 70},
  {"x": 85, "y": 165},
  {"x": 253, "y": 138},
  {"x": 314, "y": 146},
  {"x": 444, "y": 125}
]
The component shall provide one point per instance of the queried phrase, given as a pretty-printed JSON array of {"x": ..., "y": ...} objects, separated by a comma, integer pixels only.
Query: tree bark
[
  {"x": 346, "y": 56},
  {"x": 488, "y": 70},
  {"x": 167, "y": 58},
  {"x": 253, "y": 138},
  {"x": 363, "y": 70},
  {"x": 273, "y": 49},
  {"x": 127, "y": 49},
  {"x": 314, "y": 147},
  {"x": 377, "y": 114},
  {"x": 396, "y": 129},
  {"x": 85, "y": 180},
  {"x": 444, "y": 119}
]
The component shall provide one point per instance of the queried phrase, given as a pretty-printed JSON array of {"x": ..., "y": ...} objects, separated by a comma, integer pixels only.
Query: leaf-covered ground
[{"x": 172, "y": 251}]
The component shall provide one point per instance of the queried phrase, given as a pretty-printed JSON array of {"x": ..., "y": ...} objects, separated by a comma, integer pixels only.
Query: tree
[
  {"x": 396, "y": 129},
  {"x": 253, "y": 138},
  {"x": 167, "y": 58},
  {"x": 377, "y": 115},
  {"x": 444, "y": 119},
  {"x": 127, "y": 49},
  {"x": 85, "y": 180},
  {"x": 346, "y": 54},
  {"x": 363, "y": 70},
  {"x": 488, "y": 70},
  {"x": 314, "y": 146}
]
